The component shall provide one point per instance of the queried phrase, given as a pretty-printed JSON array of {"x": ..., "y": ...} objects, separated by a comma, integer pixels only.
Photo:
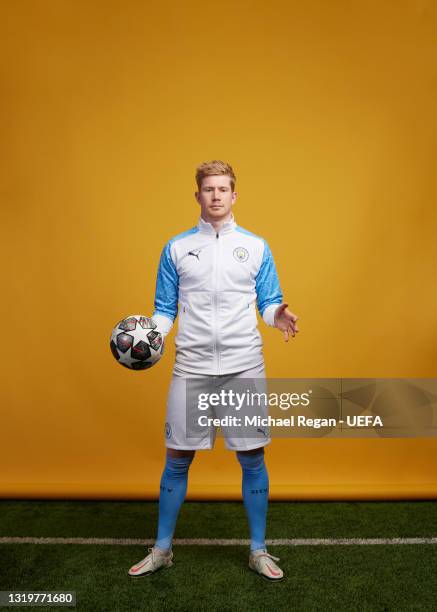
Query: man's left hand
[{"x": 286, "y": 321}]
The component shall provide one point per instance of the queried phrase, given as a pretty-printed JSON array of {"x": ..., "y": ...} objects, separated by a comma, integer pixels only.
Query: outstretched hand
[{"x": 286, "y": 321}]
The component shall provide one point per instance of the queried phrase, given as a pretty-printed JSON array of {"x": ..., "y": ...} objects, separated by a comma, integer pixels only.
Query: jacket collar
[{"x": 207, "y": 228}]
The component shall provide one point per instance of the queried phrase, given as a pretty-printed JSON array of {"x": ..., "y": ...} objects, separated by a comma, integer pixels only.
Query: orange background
[{"x": 326, "y": 110}]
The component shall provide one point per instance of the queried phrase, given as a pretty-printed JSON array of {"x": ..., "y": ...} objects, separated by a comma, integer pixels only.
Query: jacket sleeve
[
  {"x": 166, "y": 292},
  {"x": 268, "y": 290}
]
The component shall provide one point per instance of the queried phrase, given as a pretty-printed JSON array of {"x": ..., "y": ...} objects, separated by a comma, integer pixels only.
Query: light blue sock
[
  {"x": 173, "y": 489},
  {"x": 255, "y": 495}
]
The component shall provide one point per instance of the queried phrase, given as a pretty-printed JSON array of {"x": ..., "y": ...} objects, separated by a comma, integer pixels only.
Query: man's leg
[
  {"x": 255, "y": 494},
  {"x": 173, "y": 489}
]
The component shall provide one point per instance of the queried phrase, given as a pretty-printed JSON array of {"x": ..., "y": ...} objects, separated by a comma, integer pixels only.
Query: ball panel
[
  {"x": 147, "y": 323},
  {"x": 141, "y": 365},
  {"x": 141, "y": 351},
  {"x": 124, "y": 342},
  {"x": 114, "y": 350},
  {"x": 155, "y": 339},
  {"x": 128, "y": 324}
]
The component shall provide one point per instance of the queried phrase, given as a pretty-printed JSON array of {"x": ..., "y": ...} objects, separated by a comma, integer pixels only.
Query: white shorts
[{"x": 236, "y": 439}]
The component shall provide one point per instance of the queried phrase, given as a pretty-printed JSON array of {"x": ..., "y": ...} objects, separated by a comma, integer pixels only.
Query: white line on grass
[{"x": 222, "y": 542}]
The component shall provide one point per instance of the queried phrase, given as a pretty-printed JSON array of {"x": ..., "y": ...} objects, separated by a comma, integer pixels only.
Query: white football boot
[
  {"x": 263, "y": 563},
  {"x": 152, "y": 563}
]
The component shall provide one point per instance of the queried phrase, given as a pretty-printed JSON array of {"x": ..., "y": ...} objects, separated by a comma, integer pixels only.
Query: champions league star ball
[{"x": 136, "y": 344}]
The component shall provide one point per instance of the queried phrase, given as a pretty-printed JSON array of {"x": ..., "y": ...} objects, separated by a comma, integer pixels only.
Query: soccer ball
[{"x": 135, "y": 343}]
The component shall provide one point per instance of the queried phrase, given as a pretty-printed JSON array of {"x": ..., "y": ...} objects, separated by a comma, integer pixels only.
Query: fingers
[
  {"x": 292, "y": 316},
  {"x": 290, "y": 330}
]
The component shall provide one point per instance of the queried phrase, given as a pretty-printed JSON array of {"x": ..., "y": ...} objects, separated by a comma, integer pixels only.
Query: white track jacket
[{"x": 215, "y": 279}]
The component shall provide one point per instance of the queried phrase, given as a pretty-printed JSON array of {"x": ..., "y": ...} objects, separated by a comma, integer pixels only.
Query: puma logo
[{"x": 195, "y": 253}]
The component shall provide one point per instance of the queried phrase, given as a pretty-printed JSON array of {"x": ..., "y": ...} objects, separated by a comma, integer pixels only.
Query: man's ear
[
  {"x": 196, "y": 195},
  {"x": 234, "y": 197}
]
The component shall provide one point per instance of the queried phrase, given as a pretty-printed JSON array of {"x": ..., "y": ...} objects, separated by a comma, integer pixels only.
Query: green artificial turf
[
  {"x": 217, "y": 578},
  {"x": 219, "y": 519}
]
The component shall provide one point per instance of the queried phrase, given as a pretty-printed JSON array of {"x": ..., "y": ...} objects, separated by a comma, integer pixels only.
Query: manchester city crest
[
  {"x": 167, "y": 431},
  {"x": 241, "y": 254}
]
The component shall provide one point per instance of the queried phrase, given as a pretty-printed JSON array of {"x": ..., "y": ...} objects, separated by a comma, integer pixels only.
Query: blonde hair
[{"x": 214, "y": 167}]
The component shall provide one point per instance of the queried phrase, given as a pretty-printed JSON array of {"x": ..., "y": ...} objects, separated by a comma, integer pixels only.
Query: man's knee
[
  {"x": 177, "y": 466},
  {"x": 173, "y": 452},
  {"x": 253, "y": 451},
  {"x": 251, "y": 461}
]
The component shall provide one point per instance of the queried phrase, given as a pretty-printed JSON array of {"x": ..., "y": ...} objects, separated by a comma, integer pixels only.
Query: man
[{"x": 213, "y": 274}]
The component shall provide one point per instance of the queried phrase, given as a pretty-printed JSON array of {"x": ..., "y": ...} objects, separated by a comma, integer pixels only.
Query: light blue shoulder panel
[
  {"x": 167, "y": 281},
  {"x": 268, "y": 290}
]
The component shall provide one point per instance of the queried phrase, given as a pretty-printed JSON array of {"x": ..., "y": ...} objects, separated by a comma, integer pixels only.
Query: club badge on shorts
[{"x": 241, "y": 254}]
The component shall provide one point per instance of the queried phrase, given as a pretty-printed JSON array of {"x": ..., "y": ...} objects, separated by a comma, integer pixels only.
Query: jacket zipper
[{"x": 216, "y": 343}]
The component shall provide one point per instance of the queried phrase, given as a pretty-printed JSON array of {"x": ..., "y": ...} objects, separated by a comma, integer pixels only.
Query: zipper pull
[{"x": 217, "y": 235}]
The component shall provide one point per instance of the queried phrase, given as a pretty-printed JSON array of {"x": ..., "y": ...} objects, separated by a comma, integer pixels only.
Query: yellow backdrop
[{"x": 326, "y": 110}]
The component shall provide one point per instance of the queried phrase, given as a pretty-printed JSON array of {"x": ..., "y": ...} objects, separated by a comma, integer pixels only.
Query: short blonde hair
[{"x": 214, "y": 167}]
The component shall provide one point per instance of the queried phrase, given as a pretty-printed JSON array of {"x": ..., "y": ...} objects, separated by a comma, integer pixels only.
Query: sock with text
[
  {"x": 255, "y": 495},
  {"x": 172, "y": 494}
]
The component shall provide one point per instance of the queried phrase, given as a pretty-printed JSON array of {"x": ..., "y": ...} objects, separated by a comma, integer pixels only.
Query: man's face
[{"x": 216, "y": 197}]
